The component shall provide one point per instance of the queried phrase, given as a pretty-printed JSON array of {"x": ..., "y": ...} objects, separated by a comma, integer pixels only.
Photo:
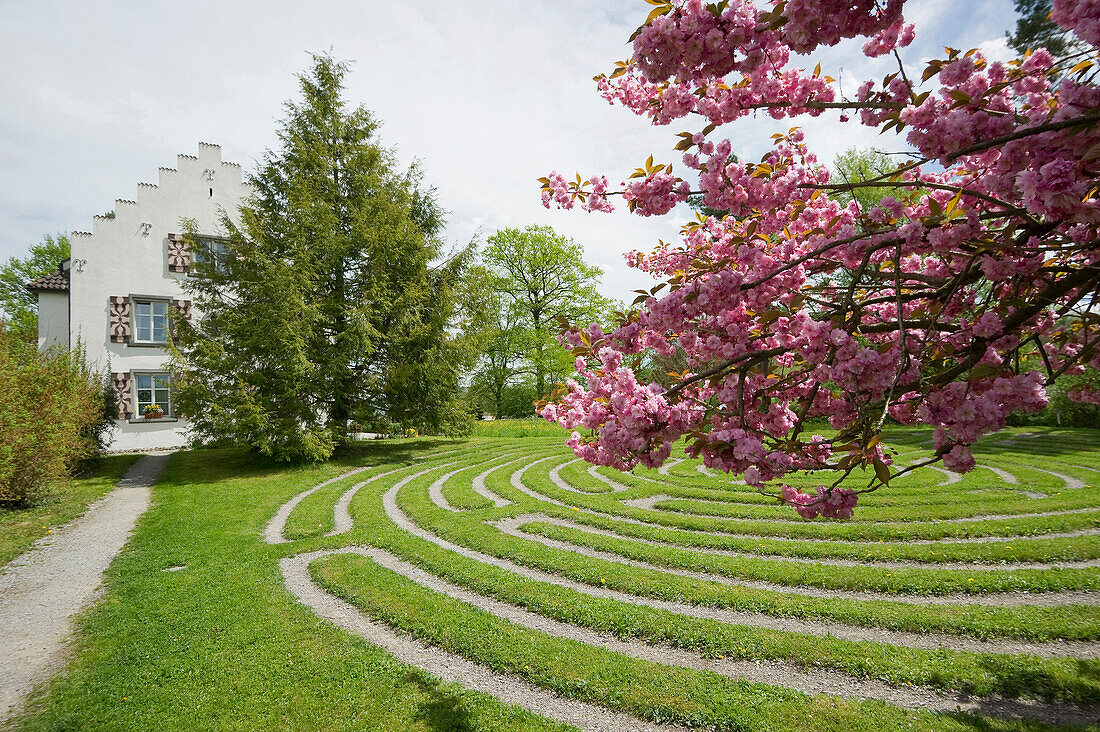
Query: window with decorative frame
[
  {"x": 206, "y": 250},
  {"x": 152, "y": 388},
  {"x": 151, "y": 320}
]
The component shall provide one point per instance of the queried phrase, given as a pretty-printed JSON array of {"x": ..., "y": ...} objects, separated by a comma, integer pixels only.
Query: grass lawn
[
  {"x": 218, "y": 643},
  {"x": 19, "y": 528}
]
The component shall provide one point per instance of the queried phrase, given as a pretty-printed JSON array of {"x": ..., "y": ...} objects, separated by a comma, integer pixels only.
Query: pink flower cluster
[
  {"x": 1080, "y": 16},
  {"x": 947, "y": 304},
  {"x": 655, "y": 194},
  {"x": 837, "y": 503}
]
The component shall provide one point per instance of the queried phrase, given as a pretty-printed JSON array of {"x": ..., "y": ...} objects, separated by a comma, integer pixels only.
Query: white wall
[
  {"x": 53, "y": 319},
  {"x": 128, "y": 255}
]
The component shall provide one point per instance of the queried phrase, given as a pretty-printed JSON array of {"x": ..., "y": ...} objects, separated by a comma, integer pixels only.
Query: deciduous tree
[
  {"x": 19, "y": 306},
  {"x": 969, "y": 288},
  {"x": 542, "y": 279}
]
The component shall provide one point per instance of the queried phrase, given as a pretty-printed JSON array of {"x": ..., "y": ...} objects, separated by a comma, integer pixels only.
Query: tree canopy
[
  {"x": 19, "y": 306},
  {"x": 324, "y": 308},
  {"x": 534, "y": 279},
  {"x": 953, "y": 301}
]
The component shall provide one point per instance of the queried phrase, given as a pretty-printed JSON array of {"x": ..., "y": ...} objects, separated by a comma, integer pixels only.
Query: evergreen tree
[
  {"x": 1035, "y": 29},
  {"x": 323, "y": 308}
]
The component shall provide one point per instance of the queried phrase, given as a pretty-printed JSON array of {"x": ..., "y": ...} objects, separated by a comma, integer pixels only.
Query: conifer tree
[{"x": 323, "y": 295}]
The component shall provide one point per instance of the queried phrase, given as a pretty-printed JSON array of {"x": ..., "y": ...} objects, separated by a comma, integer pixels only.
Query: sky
[{"x": 488, "y": 95}]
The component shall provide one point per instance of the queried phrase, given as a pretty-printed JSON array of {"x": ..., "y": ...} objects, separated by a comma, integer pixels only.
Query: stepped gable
[
  {"x": 145, "y": 189},
  {"x": 53, "y": 282}
]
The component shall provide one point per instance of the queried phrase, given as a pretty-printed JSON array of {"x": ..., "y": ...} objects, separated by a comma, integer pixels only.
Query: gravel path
[
  {"x": 516, "y": 522},
  {"x": 775, "y": 673},
  {"x": 999, "y": 599},
  {"x": 735, "y": 535},
  {"x": 43, "y": 588},
  {"x": 273, "y": 533},
  {"x": 510, "y": 689},
  {"x": 443, "y": 664},
  {"x": 452, "y": 667},
  {"x": 649, "y": 503},
  {"x": 927, "y": 641}
]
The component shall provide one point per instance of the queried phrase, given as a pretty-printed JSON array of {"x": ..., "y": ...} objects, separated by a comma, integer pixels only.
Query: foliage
[
  {"x": 539, "y": 279},
  {"x": 1035, "y": 29},
  {"x": 19, "y": 306},
  {"x": 424, "y": 354},
  {"x": 19, "y": 529},
  {"x": 327, "y": 310},
  {"x": 953, "y": 301},
  {"x": 857, "y": 167},
  {"x": 49, "y": 407}
]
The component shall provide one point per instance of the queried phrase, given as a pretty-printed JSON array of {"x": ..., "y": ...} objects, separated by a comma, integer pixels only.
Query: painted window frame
[
  {"x": 135, "y": 395},
  {"x": 135, "y": 300},
  {"x": 203, "y": 245}
]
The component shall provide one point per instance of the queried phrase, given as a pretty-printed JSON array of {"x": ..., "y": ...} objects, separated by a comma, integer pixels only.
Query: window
[
  {"x": 150, "y": 321},
  {"x": 206, "y": 251},
  {"x": 153, "y": 389}
]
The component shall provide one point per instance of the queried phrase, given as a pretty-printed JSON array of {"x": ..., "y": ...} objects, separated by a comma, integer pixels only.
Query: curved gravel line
[
  {"x": 1071, "y": 483},
  {"x": 522, "y": 519},
  {"x": 959, "y": 539},
  {"x": 42, "y": 589},
  {"x": 451, "y": 667},
  {"x": 663, "y": 470},
  {"x": 615, "y": 486},
  {"x": 647, "y": 503},
  {"x": 773, "y": 673},
  {"x": 736, "y": 535},
  {"x": 273, "y": 532},
  {"x": 998, "y": 599},
  {"x": 555, "y": 476},
  {"x": 341, "y": 514},
  {"x": 928, "y": 641},
  {"x": 478, "y": 486},
  {"x": 435, "y": 490},
  {"x": 949, "y": 475},
  {"x": 1004, "y": 475}
]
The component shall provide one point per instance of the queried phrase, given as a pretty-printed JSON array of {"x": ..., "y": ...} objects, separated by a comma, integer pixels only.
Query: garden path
[{"x": 44, "y": 588}]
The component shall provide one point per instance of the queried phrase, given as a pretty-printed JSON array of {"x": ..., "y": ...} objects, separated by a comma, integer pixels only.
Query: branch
[
  {"x": 915, "y": 184},
  {"x": 754, "y": 356},
  {"x": 1019, "y": 134}
]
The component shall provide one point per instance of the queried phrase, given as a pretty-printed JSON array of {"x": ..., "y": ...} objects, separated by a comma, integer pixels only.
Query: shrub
[{"x": 51, "y": 408}]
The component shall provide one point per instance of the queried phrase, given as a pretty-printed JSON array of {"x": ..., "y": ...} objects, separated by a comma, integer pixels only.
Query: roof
[{"x": 53, "y": 282}]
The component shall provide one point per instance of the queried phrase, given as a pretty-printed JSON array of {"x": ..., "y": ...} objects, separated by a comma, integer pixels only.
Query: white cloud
[{"x": 488, "y": 96}]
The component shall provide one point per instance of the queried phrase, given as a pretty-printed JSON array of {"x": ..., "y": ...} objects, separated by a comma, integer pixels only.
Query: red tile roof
[{"x": 53, "y": 282}]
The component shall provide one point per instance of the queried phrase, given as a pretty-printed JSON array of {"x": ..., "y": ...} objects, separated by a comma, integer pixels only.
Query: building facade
[{"x": 115, "y": 293}]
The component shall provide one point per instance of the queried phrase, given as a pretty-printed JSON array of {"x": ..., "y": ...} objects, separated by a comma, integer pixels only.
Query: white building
[{"x": 114, "y": 293}]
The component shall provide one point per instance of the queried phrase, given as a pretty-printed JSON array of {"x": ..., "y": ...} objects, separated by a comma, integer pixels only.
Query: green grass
[
  {"x": 1053, "y": 678},
  {"x": 919, "y": 581},
  {"x": 575, "y": 670},
  {"x": 221, "y": 645},
  {"x": 19, "y": 528},
  {"x": 982, "y": 621},
  {"x": 530, "y": 427}
]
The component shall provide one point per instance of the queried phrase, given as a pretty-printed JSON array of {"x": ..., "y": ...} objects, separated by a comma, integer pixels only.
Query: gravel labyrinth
[{"x": 976, "y": 594}]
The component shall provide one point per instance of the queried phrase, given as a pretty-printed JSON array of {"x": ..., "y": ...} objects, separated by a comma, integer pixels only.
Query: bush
[{"x": 51, "y": 417}]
